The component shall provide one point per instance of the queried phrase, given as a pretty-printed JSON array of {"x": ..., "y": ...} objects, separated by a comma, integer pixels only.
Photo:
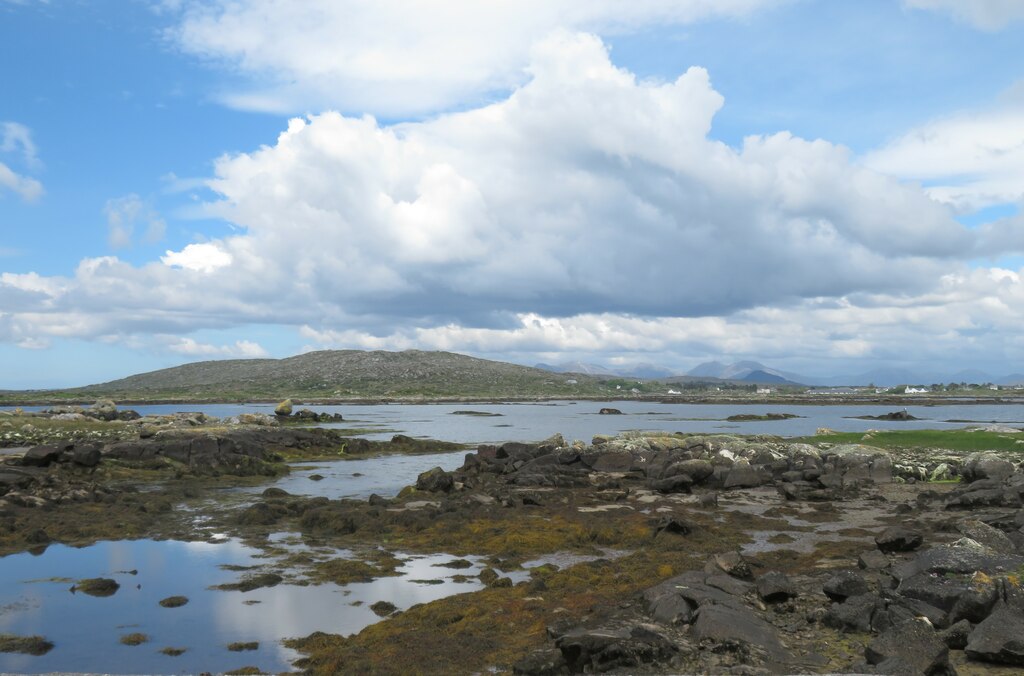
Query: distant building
[
  {"x": 571, "y": 381},
  {"x": 915, "y": 390},
  {"x": 673, "y": 392},
  {"x": 764, "y": 390}
]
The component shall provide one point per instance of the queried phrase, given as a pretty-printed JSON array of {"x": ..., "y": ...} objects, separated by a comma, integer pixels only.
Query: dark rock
[
  {"x": 985, "y": 465},
  {"x": 899, "y": 539},
  {"x": 955, "y": 636},
  {"x": 844, "y": 585},
  {"x": 915, "y": 642},
  {"x": 609, "y": 411},
  {"x": 919, "y": 608},
  {"x": 742, "y": 475},
  {"x": 677, "y": 483},
  {"x": 377, "y": 501},
  {"x": 977, "y": 601},
  {"x": 86, "y": 455},
  {"x": 384, "y": 608},
  {"x": 999, "y": 639},
  {"x": 872, "y": 560},
  {"x": 729, "y": 584},
  {"x": 275, "y": 492},
  {"x": 97, "y": 586},
  {"x": 940, "y": 592},
  {"x": 963, "y": 557},
  {"x": 673, "y": 526},
  {"x": 720, "y": 624},
  {"x": 41, "y": 456},
  {"x": 174, "y": 601},
  {"x": 854, "y": 614},
  {"x": 435, "y": 480},
  {"x": 775, "y": 587},
  {"x": 600, "y": 650},
  {"x": 671, "y": 609},
  {"x": 696, "y": 469}
]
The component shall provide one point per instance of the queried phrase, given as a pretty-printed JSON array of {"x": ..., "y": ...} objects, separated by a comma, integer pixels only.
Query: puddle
[{"x": 86, "y": 631}]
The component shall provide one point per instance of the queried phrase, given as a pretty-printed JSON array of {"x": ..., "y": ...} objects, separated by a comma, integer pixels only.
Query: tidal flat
[{"x": 655, "y": 552}]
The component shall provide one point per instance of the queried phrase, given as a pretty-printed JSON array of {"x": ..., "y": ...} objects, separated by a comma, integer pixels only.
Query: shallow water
[
  {"x": 359, "y": 478},
  {"x": 86, "y": 630},
  {"x": 580, "y": 419}
]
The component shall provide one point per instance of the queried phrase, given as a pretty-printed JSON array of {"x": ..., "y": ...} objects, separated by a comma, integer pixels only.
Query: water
[
  {"x": 383, "y": 475},
  {"x": 580, "y": 419},
  {"x": 86, "y": 630}
]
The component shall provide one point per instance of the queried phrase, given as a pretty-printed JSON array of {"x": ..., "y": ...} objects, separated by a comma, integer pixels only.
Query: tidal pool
[{"x": 36, "y": 599}]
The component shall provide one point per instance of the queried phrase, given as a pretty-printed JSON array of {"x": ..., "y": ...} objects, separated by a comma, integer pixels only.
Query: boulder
[
  {"x": 103, "y": 409},
  {"x": 719, "y": 624},
  {"x": 775, "y": 587},
  {"x": 41, "y": 456},
  {"x": 435, "y": 480},
  {"x": 609, "y": 411},
  {"x": 86, "y": 455},
  {"x": 986, "y": 465},
  {"x": 872, "y": 560},
  {"x": 600, "y": 650},
  {"x": 916, "y": 643},
  {"x": 856, "y": 613},
  {"x": 844, "y": 585},
  {"x": 977, "y": 601},
  {"x": 284, "y": 408},
  {"x": 987, "y": 536},
  {"x": 742, "y": 475},
  {"x": 899, "y": 539},
  {"x": 999, "y": 639}
]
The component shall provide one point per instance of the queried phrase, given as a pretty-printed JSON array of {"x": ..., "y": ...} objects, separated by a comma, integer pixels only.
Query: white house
[{"x": 915, "y": 390}]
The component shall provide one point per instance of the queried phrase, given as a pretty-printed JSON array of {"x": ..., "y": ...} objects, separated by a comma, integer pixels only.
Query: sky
[{"x": 827, "y": 187}]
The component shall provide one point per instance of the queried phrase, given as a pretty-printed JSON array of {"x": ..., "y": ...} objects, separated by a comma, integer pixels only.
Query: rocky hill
[{"x": 346, "y": 374}]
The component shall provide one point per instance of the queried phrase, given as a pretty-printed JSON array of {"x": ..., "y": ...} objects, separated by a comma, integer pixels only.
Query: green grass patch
[{"x": 951, "y": 440}]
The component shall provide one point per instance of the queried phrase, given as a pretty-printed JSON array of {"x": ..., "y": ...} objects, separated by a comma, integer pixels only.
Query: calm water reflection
[{"x": 86, "y": 630}]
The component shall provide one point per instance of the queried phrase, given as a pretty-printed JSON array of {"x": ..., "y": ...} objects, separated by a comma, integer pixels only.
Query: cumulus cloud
[
  {"x": 241, "y": 349},
  {"x": 969, "y": 160},
  {"x": 586, "y": 211},
  {"x": 16, "y": 139},
  {"x": 397, "y": 57},
  {"x": 124, "y": 214},
  {"x": 990, "y": 15}
]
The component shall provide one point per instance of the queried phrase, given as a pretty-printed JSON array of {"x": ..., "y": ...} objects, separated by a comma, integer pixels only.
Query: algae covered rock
[{"x": 284, "y": 408}]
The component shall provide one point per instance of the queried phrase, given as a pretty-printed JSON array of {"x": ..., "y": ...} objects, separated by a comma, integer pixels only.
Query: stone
[
  {"x": 435, "y": 480},
  {"x": 915, "y": 642},
  {"x": 855, "y": 613},
  {"x": 609, "y": 411},
  {"x": 843, "y": 585},
  {"x": 775, "y": 587},
  {"x": 899, "y": 539},
  {"x": 86, "y": 455},
  {"x": 719, "y": 624},
  {"x": 41, "y": 456},
  {"x": 956, "y": 635},
  {"x": 600, "y": 650},
  {"x": 284, "y": 409},
  {"x": 673, "y": 526},
  {"x": 977, "y": 601},
  {"x": 999, "y": 639},
  {"x": 671, "y": 609},
  {"x": 742, "y": 475},
  {"x": 103, "y": 409},
  {"x": 872, "y": 560},
  {"x": 986, "y": 465},
  {"x": 987, "y": 536},
  {"x": 546, "y": 662},
  {"x": 730, "y": 563}
]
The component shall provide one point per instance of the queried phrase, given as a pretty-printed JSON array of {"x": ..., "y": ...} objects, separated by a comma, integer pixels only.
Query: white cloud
[
  {"x": 397, "y": 57},
  {"x": 970, "y": 160},
  {"x": 990, "y": 15},
  {"x": 586, "y": 212},
  {"x": 16, "y": 139},
  {"x": 124, "y": 213},
  {"x": 198, "y": 258},
  {"x": 241, "y": 349}
]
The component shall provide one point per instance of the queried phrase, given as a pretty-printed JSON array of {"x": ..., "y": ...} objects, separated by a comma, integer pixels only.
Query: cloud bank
[{"x": 586, "y": 211}]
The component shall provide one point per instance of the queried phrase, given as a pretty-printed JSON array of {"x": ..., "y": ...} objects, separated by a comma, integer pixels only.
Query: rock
[
  {"x": 956, "y": 636},
  {"x": 730, "y": 563},
  {"x": 775, "y": 587},
  {"x": 41, "y": 456},
  {"x": 97, "y": 586},
  {"x": 855, "y": 613},
  {"x": 965, "y": 556},
  {"x": 977, "y": 601},
  {"x": 384, "y": 608},
  {"x": 899, "y": 539},
  {"x": 609, "y": 411},
  {"x": 26, "y": 645},
  {"x": 435, "y": 480},
  {"x": 942, "y": 472},
  {"x": 284, "y": 409},
  {"x": 987, "y": 536},
  {"x": 999, "y": 639},
  {"x": 673, "y": 526},
  {"x": 275, "y": 492},
  {"x": 670, "y": 608},
  {"x": 986, "y": 465},
  {"x": 742, "y": 475},
  {"x": 86, "y": 455},
  {"x": 600, "y": 650},
  {"x": 720, "y": 624},
  {"x": 844, "y": 585},
  {"x": 913, "y": 641},
  {"x": 104, "y": 409},
  {"x": 872, "y": 560},
  {"x": 174, "y": 601}
]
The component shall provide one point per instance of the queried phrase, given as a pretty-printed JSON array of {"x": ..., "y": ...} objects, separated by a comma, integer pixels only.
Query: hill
[{"x": 343, "y": 374}]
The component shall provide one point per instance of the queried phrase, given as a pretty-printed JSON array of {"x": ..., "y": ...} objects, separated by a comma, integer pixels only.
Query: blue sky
[{"x": 824, "y": 186}]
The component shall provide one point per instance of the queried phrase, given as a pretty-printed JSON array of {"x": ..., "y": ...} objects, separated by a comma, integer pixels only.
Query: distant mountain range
[{"x": 756, "y": 372}]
